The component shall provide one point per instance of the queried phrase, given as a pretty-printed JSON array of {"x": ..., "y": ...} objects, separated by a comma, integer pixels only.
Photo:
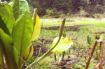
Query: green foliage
[
  {"x": 16, "y": 34},
  {"x": 89, "y": 40},
  {"x": 69, "y": 6},
  {"x": 7, "y": 17},
  {"x": 21, "y": 34},
  {"x": 20, "y": 7},
  {"x": 7, "y": 49}
]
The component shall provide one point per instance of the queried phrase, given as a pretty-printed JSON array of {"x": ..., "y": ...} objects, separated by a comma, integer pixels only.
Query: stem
[
  {"x": 55, "y": 58},
  {"x": 91, "y": 54},
  {"x": 63, "y": 54},
  {"x": 39, "y": 51},
  {"x": 101, "y": 56}
]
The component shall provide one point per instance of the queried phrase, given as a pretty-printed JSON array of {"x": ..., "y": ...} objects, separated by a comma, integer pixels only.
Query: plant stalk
[
  {"x": 101, "y": 56},
  {"x": 55, "y": 57},
  {"x": 91, "y": 54}
]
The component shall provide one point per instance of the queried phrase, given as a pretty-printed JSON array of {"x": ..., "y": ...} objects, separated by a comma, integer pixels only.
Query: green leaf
[
  {"x": 22, "y": 33},
  {"x": 23, "y": 4},
  {"x": 35, "y": 35},
  {"x": 7, "y": 49},
  {"x": 20, "y": 7},
  {"x": 6, "y": 17},
  {"x": 16, "y": 9}
]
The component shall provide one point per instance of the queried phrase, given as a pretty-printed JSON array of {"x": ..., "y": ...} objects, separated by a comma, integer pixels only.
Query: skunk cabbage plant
[{"x": 17, "y": 31}]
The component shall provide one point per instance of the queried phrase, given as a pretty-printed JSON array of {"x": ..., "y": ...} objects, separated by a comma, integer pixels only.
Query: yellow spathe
[
  {"x": 37, "y": 28},
  {"x": 64, "y": 44}
]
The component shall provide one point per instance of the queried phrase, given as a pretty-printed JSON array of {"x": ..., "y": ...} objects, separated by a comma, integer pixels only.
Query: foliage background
[{"x": 67, "y": 7}]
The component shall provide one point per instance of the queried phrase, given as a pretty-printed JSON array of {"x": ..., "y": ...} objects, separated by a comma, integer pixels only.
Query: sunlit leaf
[
  {"x": 35, "y": 34},
  {"x": 20, "y": 7},
  {"x": 23, "y": 6},
  {"x": 22, "y": 33}
]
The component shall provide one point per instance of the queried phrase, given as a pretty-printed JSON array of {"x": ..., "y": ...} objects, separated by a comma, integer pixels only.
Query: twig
[
  {"x": 91, "y": 54},
  {"x": 101, "y": 56}
]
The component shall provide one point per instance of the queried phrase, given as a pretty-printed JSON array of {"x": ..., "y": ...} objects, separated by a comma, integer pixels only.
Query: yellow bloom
[{"x": 63, "y": 45}]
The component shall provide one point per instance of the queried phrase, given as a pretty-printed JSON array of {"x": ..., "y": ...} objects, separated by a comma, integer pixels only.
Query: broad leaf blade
[
  {"x": 22, "y": 33},
  {"x": 7, "y": 16},
  {"x": 20, "y": 7},
  {"x": 35, "y": 35}
]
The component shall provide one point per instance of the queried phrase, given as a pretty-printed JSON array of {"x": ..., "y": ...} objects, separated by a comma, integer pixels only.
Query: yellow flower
[{"x": 64, "y": 44}]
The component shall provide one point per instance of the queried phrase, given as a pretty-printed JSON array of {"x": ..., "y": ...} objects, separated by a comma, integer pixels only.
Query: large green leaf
[
  {"x": 35, "y": 35},
  {"x": 20, "y": 7},
  {"x": 7, "y": 49},
  {"x": 6, "y": 15},
  {"x": 22, "y": 33}
]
